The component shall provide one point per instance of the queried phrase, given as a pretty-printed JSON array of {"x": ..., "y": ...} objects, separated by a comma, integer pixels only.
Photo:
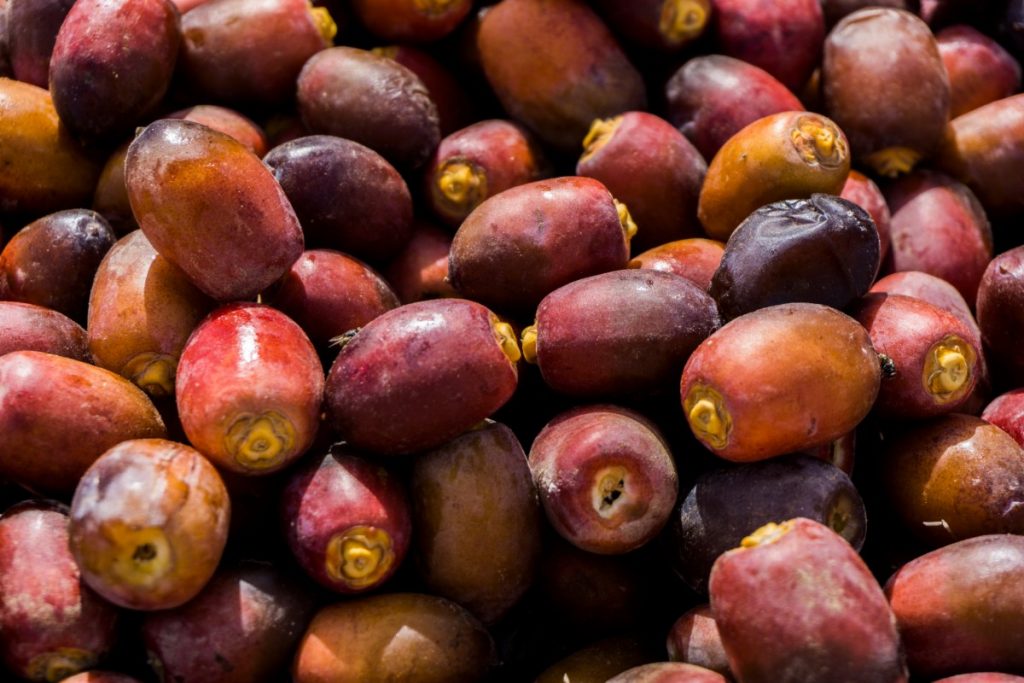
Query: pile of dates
[{"x": 554, "y": 341}]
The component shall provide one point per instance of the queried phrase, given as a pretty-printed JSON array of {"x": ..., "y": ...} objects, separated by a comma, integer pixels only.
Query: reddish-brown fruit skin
[
  {"x": 247, "y": 362},
  {"x": 837, "y": 9},
  {"x": 557, "y": 87},
  {"x": 51, "y": 262},
  {"x": 44, "y": 607},
  {"x": 1000, "y": 308},
  {"x": 762, "y": 164},
  {"x": 372, "y": 100},
  {"x": 599, "y": 661},
  {"x": 455, "y": 108},
  {"x": 477, "y": 521},
  {"x": 5, "y": 62},
  {"x": 242, "y": 628},
  {"x": 110, "y": 198},
  {"x": 712, "y": 97},
  {"x": 955, "y": 477},
  {"x": 246, "y": 52},
  {"x": 27, "y": 327},
  {"x": 420, "y": 271},
  {"x": 778, "y": 406},
  {"x": 625, "y": 332},
  {"x": 961, "y": 608},
  {"x": 410, "y": 21},
  {"x": 668, "y": 672},
  {"x": 520, "y": 245},
  {"x": 442, "y": 353},
  {"x": 338, "y": 492},
  {"x": 642, "y": 23},
  {"x": 142, "y": 304},
  {"x": 1006, "y": 411},
  {"x": 149, "y": 484},
  {"x": 179, "y": 176},
  {"x": 695, "y": 258},
  {"x": 112, "y": 63},
  {"x": 399, "y": 636},
  {"x": 984, "y": 148},
  {"x": 782, "y": 37},
  {"x": 939, "y": 227},
  {"x": 42, "y": 168},
  {"x": 347, "y": 196},
  {"x": 983, "y": 678},
  {"x": 328, "y": 293},
  {"x": 503, "y": 152},
  {"x": 873, "y": 58},
  {"x": 906, "y": 330},
  {"x": 572, "y": 460},
  {"x": 32, "y": 27},
  {"x": 863, "y": 192},
  {"x": 227, "y": 121},
  {"x": 980, "y": 70},
  {"x": 58, "y": 415},
  {"x": 843, "y": 629},
  {"x": 649, "y": 166},
  {"x": 694, "y": 639},
  {"x": 100, "y": 677}
]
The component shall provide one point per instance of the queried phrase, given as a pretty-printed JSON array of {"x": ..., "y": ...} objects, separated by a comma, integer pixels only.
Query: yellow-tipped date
[
  {"x": 260, "y": 441},
  {"x": 893, "y": 161},
  {"x": 152, "y": 372},
  {"x": 601, "y": 131},
  {"x": 529, "y": 341},
  {"x": 947, "y": 370},
  {"x": 769, "y": 533},
  {"x": 359, "y": 556},
  {"x": 324, "y": 23},
  {"x": 819, "y": 142},
  {"x": 388, "y": 51},
  {"x": 628, "y": 226},
  {"x": 61, "y": 663},
  {"x": 708, "y": 418},
  {"x": 506, "y": 337},
  {"x": 682, "y": 20},
  {"x": 461, "y": 183}
]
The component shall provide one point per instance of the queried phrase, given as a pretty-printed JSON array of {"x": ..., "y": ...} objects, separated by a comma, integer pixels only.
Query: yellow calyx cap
[
  {"x": 359, "y": 557},
  {"x": 61, "y": 663},
  {"x": 682, "y": 20},
  {"x": 601, "y": 131},
  {"x": 388, "y": 51},
  {"x": 628, "y": 226},
  {"x": 819, "y": 142},
  {"x": 260, "y": 441},
  {"x": 609, "y": 487},
  {"x": 506, "y": 337},
  {"x": 948, "y": 369},
  {"x": 707, "y": 416},
  {"x": 769, "y": 533},
  {"x": 324, "y": 23},
  {"x": 461, "y": 184},
  {"x": 893, "y": 161},
  {"x": 152, "y": 372},
  {"x": 140, "y": 557},
  {"x": 529, "y": 341}
]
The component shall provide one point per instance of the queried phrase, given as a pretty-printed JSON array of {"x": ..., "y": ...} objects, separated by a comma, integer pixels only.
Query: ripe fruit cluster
[{"x": 511, "y": 340}]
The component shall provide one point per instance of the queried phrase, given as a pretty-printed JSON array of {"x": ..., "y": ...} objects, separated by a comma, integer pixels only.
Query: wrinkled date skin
[{"x": 821, "y": 250}]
